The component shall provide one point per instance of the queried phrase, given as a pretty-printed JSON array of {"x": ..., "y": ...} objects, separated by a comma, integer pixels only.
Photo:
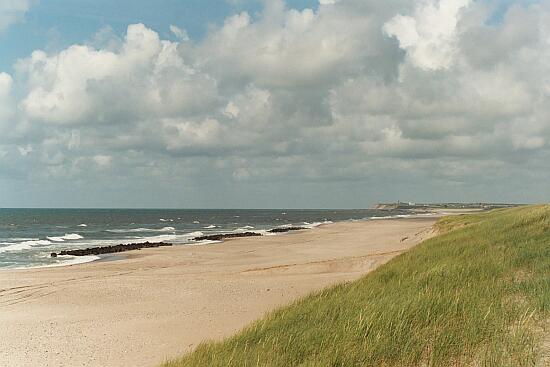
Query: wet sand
[{"x": 157, "y": 304}]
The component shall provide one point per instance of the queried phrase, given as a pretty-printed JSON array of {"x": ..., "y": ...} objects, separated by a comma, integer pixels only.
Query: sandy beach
[{"x": 159, "y": 303}]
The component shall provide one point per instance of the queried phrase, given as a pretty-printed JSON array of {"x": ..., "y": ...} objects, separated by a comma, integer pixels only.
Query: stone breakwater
[
  {"x": 223, "y": 236},
  {"x": 138, "y": 246},
  {"x": 286, "y": 229},
  {"x": 110, "y": 249}
]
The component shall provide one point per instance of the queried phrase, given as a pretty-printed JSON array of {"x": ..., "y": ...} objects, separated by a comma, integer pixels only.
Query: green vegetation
[{"x": 478, "y": 294}]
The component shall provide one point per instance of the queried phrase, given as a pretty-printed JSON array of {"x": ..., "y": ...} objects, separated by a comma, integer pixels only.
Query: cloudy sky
[{"x": 251, "y": 104}]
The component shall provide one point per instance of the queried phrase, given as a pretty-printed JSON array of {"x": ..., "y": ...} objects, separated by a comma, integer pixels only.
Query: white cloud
[
  {"x": 103, "y": 160},
  {"x": 189, "y": 134},
  {"x": 181, "y": 34},
  {"x": 6, "y": 101},
  {"x": 295, "y": 96},
  {"x": 12, "y": 11},
  {"x": 286, "y": 47},
  {"x": 146, "y": 76},
  {"x": 430, "y": 35}
]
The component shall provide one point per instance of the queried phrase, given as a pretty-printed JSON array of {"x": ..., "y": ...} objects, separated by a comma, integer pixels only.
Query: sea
[{"x": 29, "y": 236}]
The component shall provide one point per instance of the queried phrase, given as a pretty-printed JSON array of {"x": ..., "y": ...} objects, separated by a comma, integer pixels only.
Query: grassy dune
[{"x": 476, "y": 295}]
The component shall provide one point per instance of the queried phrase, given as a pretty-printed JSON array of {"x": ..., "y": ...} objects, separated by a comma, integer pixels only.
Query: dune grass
[{"x": 476, "y": 295}]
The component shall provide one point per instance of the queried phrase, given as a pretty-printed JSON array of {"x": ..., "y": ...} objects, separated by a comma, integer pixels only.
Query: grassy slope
[{"x": 474, "y": 295}]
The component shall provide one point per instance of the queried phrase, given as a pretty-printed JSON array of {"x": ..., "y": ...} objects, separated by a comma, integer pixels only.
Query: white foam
[
  {"x": 265, "y": 232},
  {"x": 397, "y": 216},
  {"x": 377, "y": 218},
  {"x": 133, "y": 230},
  {"x": 172, "y": 237},
  {"x": 25, "y": 245},
  {"x": 193, "y": 234},
  {"x": 317, "y": 224},
  {"x": 83, "y": 225},
  {"x": 68, "y": 237},
  {"x": 210, "y": 226},
  {"x": 202, "y": 243},
  {"x": 19, "y": 239},
  {"x": 286, "y": 226},
  {"x": 243, "y": 229},
  {"x": 196, "y": 222},
  {"x": 66, "y": 261}
]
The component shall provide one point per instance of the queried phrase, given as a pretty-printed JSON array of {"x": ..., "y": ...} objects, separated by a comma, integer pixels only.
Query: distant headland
[{"x": 428, "y": 206}]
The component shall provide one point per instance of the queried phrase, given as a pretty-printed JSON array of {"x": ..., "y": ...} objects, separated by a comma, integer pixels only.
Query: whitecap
[
  {"x": 243, "y": 229},
  {"x": 317, "y": 224},
  {"x": 83, "y": 225},
  {"x": 133, "y": 230},
  {"x": 68, "y": 237},
  {"x": 65, "y": 261},
  {"x": 202, "y": 243},
  {"x": 26, "y": 245},
  {"x": 193, "y": 234},
  {"x": 210, "y": 226},
  {"x": 183, "y": 238}
]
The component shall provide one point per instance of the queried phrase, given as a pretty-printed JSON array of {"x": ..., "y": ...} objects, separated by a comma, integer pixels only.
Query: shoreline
[
  {"x": 160, "y": 303},
  {"x": 80, "y": 260}
]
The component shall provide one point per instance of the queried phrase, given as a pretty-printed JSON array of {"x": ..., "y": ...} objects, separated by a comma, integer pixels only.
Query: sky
[{"x": 273, "y": 104}]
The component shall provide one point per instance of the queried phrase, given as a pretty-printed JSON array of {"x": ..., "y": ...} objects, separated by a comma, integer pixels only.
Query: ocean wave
[
  {"x": 133, "y": 230},
  {"x": 243, "y": 229},
  {"x": 19, "y": 239},
  {"x": 193, "y": 234},
  {"x": 393, "y": 216},
  {"x": 210, "y": 226},
  {"x": 202, "y": 243},
  {"x": 317, "y": 224},
  {"x": 83, "y": 225},
  {"x": 25, "y": 245},
  {"x": 66, "y": 237},
  {"x": 65, "y": 261},
  {"x": 182, "y": 238}
]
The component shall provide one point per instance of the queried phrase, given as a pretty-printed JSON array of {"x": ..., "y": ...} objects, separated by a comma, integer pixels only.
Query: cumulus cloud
[
  {"x": 430, "y": 35},
  {"x": 367, "y": 92},
  {"x": 82, "y": 83},
  {"x": 181, "y": 34},
  {"x": 12, "y": 11},
  {"x": 6, "y": 82},
  {"x": 6, "y": 103}
]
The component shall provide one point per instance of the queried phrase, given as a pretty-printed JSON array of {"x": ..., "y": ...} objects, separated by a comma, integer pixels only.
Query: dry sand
[{"x": 160, "y": 303}]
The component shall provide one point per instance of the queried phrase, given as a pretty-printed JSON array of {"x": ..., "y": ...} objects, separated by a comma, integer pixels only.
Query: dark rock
[
  {"x": 110, "y": 249},
  {"x": 223, "y": 236},
  {"x": 286, "y": 229}
]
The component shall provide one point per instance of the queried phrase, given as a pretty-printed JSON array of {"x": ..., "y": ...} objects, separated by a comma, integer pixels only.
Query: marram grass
[{"x": 476, "y": 295}]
